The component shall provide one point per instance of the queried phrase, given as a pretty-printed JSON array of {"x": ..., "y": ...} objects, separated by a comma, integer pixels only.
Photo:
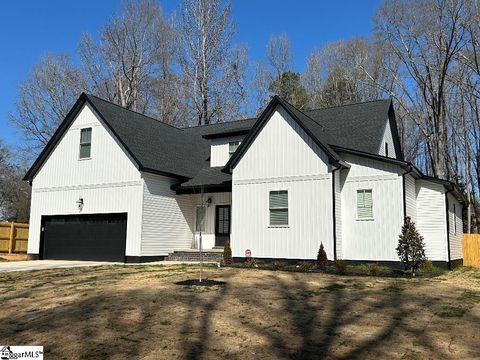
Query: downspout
[
  {"x": 448, "y": 227},
  {"x": 334, "y": 214}
]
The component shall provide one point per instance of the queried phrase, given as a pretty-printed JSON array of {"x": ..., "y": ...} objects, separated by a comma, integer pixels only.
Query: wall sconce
[
  {"x": 80, "y": 204},
  {"x": 209, "y": 201}
]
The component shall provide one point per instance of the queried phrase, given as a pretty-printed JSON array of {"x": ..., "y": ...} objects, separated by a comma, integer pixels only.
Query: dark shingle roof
[
  {"x": 210, "y": 176},
  {"x": 356, "y": 126},
  {"x": 243, "y": 125},
  {"x": 154, "y": 144}
]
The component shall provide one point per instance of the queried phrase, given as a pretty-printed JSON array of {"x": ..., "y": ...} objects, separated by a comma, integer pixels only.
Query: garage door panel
[{"x": 99, "y": 237}]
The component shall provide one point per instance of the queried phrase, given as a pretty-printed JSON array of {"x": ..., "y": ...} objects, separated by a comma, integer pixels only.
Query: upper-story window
[
  {"x": 85, "y": 143},
  {"x": 232, "y": 147},
  {"x": 386, "y": 148}
]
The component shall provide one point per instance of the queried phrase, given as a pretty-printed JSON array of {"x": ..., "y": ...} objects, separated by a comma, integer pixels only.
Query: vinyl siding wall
[
  {"x": 376, "y": 238},
  {"x": 167, "y": 218},
  {"x": 219, "y": 150},
  {"x": 456, "y": 251},
  {"x": 410, "y": 197},
  {"x": 431, "y": 219},
  {"x": 387, "y": 138},
  {"x": 108, "y": 182},
  {"x": 282, "y": 157},
  {"x": 340, "y": 176}
]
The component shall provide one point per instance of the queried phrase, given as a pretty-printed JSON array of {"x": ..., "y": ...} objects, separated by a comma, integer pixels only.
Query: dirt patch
[{"x": 122, "y": 312}]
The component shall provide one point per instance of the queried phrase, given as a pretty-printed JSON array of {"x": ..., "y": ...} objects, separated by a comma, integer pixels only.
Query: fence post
[{"x": 10, "y": 244}]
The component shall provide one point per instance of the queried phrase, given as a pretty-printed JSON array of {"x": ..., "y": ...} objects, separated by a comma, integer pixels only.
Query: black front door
[{"x": 222, "y": 224}]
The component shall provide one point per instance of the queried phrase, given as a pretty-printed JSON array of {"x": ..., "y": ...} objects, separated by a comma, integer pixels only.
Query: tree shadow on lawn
[{"x": 136, "y": 322}]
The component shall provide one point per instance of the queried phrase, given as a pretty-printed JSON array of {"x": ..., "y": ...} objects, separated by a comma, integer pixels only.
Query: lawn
[{"x": 128, "y": 312}]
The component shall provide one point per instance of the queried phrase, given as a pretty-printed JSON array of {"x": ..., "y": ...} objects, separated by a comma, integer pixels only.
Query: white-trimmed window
[
  {"x": 364, "y": 204},
  {"x": 200, "y": 218},
  {"x": 233, "y": 146},
  {"x": 85, "y": 143},
  {"x": 278, "y": 204}
]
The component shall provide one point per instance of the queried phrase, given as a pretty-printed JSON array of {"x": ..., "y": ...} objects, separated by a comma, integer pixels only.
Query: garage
[{"x": 97, "y": 237}]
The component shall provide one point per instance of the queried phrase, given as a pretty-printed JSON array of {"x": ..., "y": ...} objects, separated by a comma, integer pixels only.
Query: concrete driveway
[{"x": 30, "y": 265}]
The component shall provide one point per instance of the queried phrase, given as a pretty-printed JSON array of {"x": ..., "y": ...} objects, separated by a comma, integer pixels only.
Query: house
[{"x": 116, "y": 185}]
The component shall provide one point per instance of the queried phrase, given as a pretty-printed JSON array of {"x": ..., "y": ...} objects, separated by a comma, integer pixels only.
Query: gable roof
[
  {"x": 313, "y": 129},
  {"x": 153, "y": 145}
]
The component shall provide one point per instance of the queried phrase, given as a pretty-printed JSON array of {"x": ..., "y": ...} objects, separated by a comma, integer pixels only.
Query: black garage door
[{"x": 99, "y": 237}]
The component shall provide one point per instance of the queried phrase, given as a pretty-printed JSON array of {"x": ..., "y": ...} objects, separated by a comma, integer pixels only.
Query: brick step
[{"x": 194, "y": 255}]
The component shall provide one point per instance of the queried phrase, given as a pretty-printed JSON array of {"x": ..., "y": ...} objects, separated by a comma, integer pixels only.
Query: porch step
[{"x": 211, "y": 255}]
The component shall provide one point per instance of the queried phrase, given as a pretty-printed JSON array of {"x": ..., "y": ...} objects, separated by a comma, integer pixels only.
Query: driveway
[{"x": 9, "y": 266}]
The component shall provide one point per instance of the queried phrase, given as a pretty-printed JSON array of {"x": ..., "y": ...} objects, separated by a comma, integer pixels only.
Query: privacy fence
[
  {"x": 13, "y": 237},
  {"x": 471, "y": 250}
]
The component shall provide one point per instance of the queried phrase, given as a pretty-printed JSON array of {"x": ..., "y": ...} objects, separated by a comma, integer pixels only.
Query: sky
[{"x": 30, "y": 29}]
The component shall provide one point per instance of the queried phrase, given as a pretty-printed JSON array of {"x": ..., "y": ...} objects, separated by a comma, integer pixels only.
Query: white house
[{"x": 116, "y": 185}]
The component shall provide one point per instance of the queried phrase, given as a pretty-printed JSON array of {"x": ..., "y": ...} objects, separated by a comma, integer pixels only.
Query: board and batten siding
[
  {"x": 376, "y": 238},
  {"x": 431, "y": 219},
  {"x": 108, "y": 182},
  {"x": 410, "y": 197},
  {"x": 455, "y": 216},
  {"x": 219, "y": 150},
  {"x": 282, "y": 157},
  {"x": 167, "y": 217},
  {"x": 387, "y": 138}
]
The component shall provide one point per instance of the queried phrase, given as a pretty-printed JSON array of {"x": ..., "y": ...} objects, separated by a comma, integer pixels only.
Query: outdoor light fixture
[
  {"x": 80, "y": 203},
  {"x": 209, "y": 201}
]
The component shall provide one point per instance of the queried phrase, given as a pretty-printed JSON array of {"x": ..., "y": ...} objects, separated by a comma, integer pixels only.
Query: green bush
[
  {"x": 322, "y": 260},
  {"x": 374, "y": 269},
  {"x": 250, "y": 263},
  {"x": 340, "y": 266},
  {"x": 306, "y": 267},
  {"x": 227, "y": 254},
  {"x": 428, "y": 267},
  {"x": 411, "y": 249},
  {"x": 279, "y": 265}
]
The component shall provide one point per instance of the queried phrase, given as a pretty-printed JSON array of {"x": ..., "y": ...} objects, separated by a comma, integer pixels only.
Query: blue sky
[{"x": 29, "y": 29}]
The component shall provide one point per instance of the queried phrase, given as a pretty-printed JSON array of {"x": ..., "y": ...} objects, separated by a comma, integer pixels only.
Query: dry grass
[{"x": 124, "y": 312}]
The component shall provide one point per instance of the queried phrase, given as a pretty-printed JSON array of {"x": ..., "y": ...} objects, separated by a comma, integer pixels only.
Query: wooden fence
[
  {"x": 13, "y": 237},
  {"x": 471, "y": 250}
]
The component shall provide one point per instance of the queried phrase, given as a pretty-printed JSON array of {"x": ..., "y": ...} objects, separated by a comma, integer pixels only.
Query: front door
[{"x": 222, "y": 224}]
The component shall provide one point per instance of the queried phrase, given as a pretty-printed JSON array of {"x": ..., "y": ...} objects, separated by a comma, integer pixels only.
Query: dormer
[{"x": 221, "y": 149}]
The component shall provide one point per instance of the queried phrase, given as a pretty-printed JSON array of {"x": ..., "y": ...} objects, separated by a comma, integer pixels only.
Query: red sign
[{"x": 248, "y": 253}]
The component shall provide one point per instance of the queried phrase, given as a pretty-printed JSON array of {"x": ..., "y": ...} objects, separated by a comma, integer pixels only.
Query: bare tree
[
  {"x": 44, "y": 99},
  {"x": 206, "y": 31},
  {"x": 132, "y": 57}
]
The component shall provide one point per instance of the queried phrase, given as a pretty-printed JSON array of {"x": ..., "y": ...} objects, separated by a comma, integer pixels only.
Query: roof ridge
[
  {"x": 132, "y": 111},
  {"x": 351, "y": 104},
  {"x": 218, "y": 123}
]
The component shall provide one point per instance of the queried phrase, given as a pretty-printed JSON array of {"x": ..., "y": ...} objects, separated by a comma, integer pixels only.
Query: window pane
[
  {"x": 84, "y": 151},
  {"x": 200, "y": 222},
  {"x": 279, "y": 217},
  {"x": 85, "y": 135},
  {"x": 278, "y": 199},
  {"x": 364, "y": 204}
]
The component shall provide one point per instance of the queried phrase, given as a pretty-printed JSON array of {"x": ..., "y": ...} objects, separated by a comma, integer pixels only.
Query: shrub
[
  {"x": 227, "y": 254},
  {"x": 428, "y": 267},
  {"x": 306, "y": 267},
  {"x": 374, "y": 269},
  {"x": 411, "y": 249},
  {"x": 250, "y": 263},
  {"x": 340, "y": 266},
  {"x": 279, "y": 265},
  {"x": 322, "y": 259}
]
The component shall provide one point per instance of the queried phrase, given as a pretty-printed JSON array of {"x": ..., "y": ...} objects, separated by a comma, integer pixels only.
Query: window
[
  {"x": 200, "y": 221},
  {"x": 278, "y": 208},
  {"x": 364, "y": 204},
  {"x": 85, "y": 143},
  {"x": 386, "y": 148},
  {"x": 232, "y": 147}
]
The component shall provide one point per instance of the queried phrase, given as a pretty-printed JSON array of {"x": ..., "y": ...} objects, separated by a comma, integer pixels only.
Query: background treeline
[{"x": 184, "y": 69}]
